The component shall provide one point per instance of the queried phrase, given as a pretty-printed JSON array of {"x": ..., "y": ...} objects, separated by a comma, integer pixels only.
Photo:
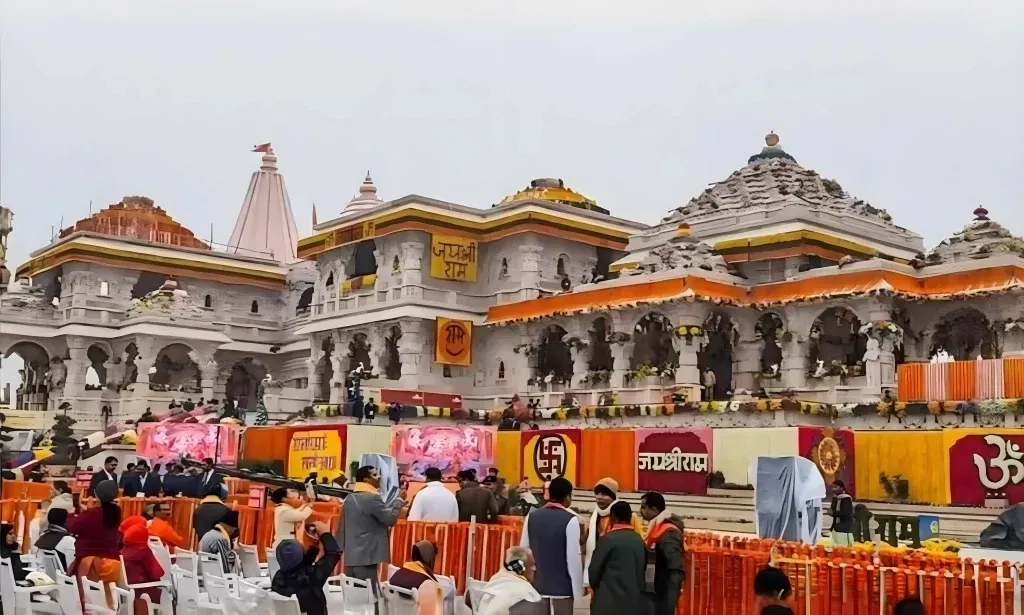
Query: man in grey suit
[{"x": 364, "y": 531}]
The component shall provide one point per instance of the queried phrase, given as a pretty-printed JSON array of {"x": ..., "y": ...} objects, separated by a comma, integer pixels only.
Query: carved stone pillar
[
  {"x": 580, "y": 358},
  {"x": 688, "y": 373},
  {"x": 146, "y": 359},
  {"x": 410, "y": 346},
  {"x": 115, "y": 369},
  {"x": 77, "y": 365},
  {"x": 208, "y": 377},
  {"x": 375, "y": 341},
  {"x": 794, "y": 365},
  {"x": 412, "y": 271},
  {"x": 312, "y": 379},
  {"x": 621, "y": 354},
  {"x": 337, "y": 379}
]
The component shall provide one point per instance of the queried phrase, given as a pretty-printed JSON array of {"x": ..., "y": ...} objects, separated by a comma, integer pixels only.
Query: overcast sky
[{"x": 916, "y": 107}]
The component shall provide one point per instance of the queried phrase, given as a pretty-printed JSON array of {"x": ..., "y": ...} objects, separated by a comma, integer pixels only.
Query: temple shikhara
[{"x": 775, "y": 312}]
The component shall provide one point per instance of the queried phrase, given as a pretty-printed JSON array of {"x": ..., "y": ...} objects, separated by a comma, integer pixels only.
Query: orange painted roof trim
[{"x": 839, "y": 284}]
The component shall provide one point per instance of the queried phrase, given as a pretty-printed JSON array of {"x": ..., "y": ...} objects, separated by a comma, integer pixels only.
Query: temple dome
[
  {"x": 136, "y": 217},
  {"x": 979, "y": 239},
  {"x": 553, "y": 191},
  {"x": 773, "y": 178},
  {"x": 366, "y": 199}
]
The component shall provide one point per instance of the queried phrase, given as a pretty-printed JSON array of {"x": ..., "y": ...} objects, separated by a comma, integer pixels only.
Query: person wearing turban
[{"x": 140, "y": 564}]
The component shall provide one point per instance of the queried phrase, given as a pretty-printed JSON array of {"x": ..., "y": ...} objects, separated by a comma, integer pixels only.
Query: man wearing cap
[
  {"x": 365, "y": 522},
  {"x": 606, "y": 493}
]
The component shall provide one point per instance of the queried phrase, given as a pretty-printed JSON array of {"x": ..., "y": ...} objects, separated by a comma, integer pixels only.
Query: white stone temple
[{"x": 772, "y": 281}]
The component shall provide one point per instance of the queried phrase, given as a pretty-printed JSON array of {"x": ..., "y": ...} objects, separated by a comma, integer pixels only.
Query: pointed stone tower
[{"x": 266, "y": 227}]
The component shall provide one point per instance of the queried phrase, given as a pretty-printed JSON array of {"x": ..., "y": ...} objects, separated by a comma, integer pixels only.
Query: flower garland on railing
[
  {"x": 689, "y": 333},
  {"x": 884, "y": 329}
]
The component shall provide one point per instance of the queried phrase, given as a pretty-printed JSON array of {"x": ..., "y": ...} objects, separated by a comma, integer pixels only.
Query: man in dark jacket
[
  {"x": 552, "y": 533},
  {"x": 209, "y": 513},
  {"x": 302, "y": 575},
  {"x": 664, "y": 543},
  {"x": 109, "y": 472},
  {"x": 617, "y": 568},
  {"x": 842, "y": 515},
  {"x": 475, "y": 500},
  {"x": 209, "y": 479},
  {"x": 143, "y": 483}
]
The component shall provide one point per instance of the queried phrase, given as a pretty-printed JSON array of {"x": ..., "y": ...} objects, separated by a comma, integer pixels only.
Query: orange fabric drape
[
  {"x": 1013, "y": 378},
  {"x": 962, "y": 380},
  {"x": 607, "y": 453},
  {"x": 911, "y": 381},
  {"x": 260, "y": 443}
]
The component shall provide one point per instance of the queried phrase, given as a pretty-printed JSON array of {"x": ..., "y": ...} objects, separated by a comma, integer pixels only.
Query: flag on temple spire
[
  {"x": 314, "y": 215},
  {"x": 263, "y": 148}
]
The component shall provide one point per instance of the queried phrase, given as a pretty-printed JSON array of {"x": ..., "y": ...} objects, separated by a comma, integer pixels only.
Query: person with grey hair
[{"x": 510, "y": 591}]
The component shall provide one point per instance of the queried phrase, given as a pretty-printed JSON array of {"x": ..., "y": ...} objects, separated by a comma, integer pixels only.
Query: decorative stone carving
[
  {"x": 338, "y": 367},
  {"x": 77, "y": 281},
  {"x": 531, "y": 255},
  {"x": 57, "y": 375},
  {"x": 682, "y": 253}
]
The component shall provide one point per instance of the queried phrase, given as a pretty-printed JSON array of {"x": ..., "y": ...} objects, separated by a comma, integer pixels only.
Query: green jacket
[{"x": 616, "y": 573}]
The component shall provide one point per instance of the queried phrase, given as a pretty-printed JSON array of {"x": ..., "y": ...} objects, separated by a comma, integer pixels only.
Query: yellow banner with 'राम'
[
  {"x": 319, "y": 451},
  {"x": 453, "y": 342},
  {"x": 453, "y": 258}
]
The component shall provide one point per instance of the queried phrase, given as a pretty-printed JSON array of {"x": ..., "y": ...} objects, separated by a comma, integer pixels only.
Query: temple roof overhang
[
  {"x": 991, "y": 276},
  {"x": 137, "y": 255},
  {"x": 418, "y": 213}
]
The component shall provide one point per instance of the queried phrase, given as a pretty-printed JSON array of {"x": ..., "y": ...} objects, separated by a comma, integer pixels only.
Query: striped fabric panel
[
  {"x": 989, "y": 379},
  {"x": 936, "y": 381}
]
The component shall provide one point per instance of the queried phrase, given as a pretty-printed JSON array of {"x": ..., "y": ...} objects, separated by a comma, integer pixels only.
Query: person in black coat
[
  {"x": 109, "y": 472},
  {"x": 144, "y": 482},
  {"x": 209, "y": 479},
  {"x": 302, "y": 575},
  {"x": 210, "y": 512},
  {"x": 176, "y": 483}
]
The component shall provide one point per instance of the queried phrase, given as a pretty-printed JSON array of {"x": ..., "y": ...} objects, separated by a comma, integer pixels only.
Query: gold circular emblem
[{"x": 829, "y": 456}]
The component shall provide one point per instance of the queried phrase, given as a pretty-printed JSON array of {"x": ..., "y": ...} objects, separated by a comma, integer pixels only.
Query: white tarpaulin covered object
[{"x": 788, "y": 492}]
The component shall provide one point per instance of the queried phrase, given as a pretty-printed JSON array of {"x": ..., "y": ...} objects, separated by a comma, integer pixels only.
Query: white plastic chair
[
  {"x": 349, "y": 595},
  {"x": 476, "y": 590},
  {"x": 50, "y": 562},
  {"x": 21, "y": 597},
  {"x": 398, "y": 600},
  {"x": 284, "y": 606},
  {"x": 392, "y": 569},
  {"x": 449, "y": 593},
  {"x": 163, "y": 556},
  {"x": 218, "y": 588},
  {"x": 186, "y": 560},
  {"x": 69, "y": 597},
  {"x": 250, "y": 563},
  {"x": 187, "y": 585},
  {"x": 211, "y": 565},
  {"x": 95, "y": 598},
  {"x": 272, "y": 566}
]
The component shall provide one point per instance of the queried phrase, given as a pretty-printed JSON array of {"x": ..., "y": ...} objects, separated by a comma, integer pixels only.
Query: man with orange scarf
[
  {"x": 616, "y": 571},
  {"x": 664, "y": 540}
]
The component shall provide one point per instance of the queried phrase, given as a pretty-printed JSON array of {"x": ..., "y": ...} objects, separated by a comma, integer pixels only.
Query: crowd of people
[{"x": 615, "y": 557}]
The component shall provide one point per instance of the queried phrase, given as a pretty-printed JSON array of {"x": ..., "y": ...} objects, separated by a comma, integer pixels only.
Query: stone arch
[
  {"x": 175, "y": 370},
  {"x": 965, "y": 333},
  {"x": 770, "y": 331},
  {"x": 600, "y": 359},
  {"x": 553, "y": 355},
  {"x": 716, "y": 353},
  {"x": 654, "y": 342},
  {"x": 392, "y": 369},
  {"x": 835, "y": 338},
  {"x": 359, "y": 352},
  {"x": 29, "y": 390},
  {"x": 562, "y": 263},
  {"x": 96, "y": 373},
  {"x": 244, "y": 379},
  {"x": 305, "y": 301}
]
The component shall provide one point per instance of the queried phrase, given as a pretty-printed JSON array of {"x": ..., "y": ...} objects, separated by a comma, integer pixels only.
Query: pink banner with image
[
  {"x": 168, "y": 442},
  {"x": 449, "y": 449}
]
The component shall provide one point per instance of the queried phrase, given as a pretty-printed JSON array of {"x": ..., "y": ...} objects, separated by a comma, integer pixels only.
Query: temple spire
[{"x": 266, "y": 226}]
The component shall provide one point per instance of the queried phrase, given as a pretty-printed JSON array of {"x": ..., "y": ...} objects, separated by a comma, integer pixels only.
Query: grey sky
[{"x": 917, "y": 108}]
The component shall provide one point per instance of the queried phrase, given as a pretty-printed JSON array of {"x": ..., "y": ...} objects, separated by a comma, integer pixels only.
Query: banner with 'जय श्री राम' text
[
  {"x": 453, "y": 258},
  {"x": 453, "y": 342},
  {"x": 316, "y": 450}
]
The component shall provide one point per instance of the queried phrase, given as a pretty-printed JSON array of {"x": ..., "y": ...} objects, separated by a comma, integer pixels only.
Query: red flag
[{"x": 264, "y": 148}]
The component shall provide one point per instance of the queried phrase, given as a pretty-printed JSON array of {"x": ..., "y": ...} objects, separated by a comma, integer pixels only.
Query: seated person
[
  {"x": 418, "y": 574},
  {"x": 57, "y": 538},
  {"x": 771, "y": 587},
  {"x": 302, "y": 575}
]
